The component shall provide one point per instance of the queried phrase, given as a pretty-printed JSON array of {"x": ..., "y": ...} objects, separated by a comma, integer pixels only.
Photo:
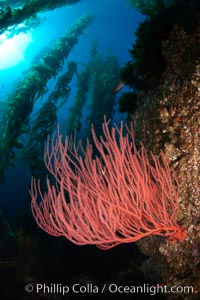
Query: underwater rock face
[{"x": 168, "y": 118}]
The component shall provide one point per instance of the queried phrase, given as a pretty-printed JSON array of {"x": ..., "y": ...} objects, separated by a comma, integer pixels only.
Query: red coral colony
[{"x": 116, "y": 197}]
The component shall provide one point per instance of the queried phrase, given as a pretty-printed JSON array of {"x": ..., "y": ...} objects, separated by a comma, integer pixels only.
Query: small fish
[
  {"x": 119, "y": 86},
  {"x": 79, "y": 126}
]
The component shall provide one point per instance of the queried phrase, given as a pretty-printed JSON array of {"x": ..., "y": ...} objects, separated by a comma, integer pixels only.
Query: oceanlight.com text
[{"x": 111, "y": 288}]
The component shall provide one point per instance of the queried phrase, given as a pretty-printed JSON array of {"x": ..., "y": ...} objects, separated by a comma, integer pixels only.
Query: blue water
[{"x": 114, "y": 26}]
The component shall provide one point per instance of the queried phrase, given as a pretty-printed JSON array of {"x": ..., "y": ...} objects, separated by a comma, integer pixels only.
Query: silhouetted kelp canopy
[
  {"x": 15, "y": 121},
  {"x": 147, "y": 63},
  {"x": 31, "y": 113},
  {"x": 10, "y": 16},
  {"x": 152, "y": 7}
]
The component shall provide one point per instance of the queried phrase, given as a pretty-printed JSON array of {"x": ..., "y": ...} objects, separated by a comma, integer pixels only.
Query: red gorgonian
[{"x": 119, "y": 196}]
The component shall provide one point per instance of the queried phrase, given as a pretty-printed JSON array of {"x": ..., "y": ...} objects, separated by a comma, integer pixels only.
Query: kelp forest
[
  {"x": 23, "y": 133},
  {"x": 99, "y": 147},
  {"x": 30, "y": 112}
]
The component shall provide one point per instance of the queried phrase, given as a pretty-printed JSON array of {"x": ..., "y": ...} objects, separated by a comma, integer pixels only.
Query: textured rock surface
[{"x": 168, "y": 118}]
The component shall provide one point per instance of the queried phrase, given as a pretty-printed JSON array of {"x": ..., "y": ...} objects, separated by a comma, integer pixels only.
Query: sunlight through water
[{"x": 12, "y": 50}]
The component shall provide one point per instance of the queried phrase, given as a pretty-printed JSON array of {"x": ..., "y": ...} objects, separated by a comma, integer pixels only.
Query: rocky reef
[{"x": 168, "y": 117}]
